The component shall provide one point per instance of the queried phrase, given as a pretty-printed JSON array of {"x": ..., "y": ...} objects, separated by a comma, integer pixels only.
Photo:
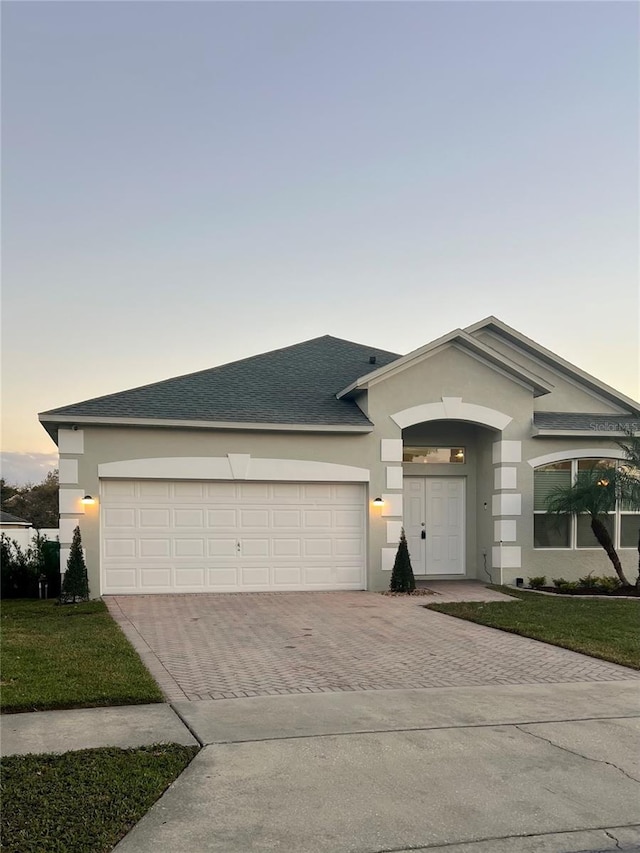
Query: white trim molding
[
  {"x": 66, "y": 528},
  {"x": 506, "y": 557},
  {"x": 582, "y": 453},
  {"x": 451, "y": 409},
  {"x": 391, "y": 450},
  {"x": 507, "y": 451},
  {"x": 394, "y": 476},
  {"x": 392, "y": 505},
  {"x": 234, "y": 466},
  {"x": 187, "y": 424},
  {"x": 388, "y": 559},
  {"x": 505, "y": 530},
  {"x": 505, "y": 477},
  {"x": 394, "y": 529},
  {"x": 67, "y": 471},
  {"x": 71, "y": 440},
  {"x": 506, "y": 503},
  {"x": 70, "y": 501}
]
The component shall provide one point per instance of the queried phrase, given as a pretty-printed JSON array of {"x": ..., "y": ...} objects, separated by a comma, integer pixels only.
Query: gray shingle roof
[
  {"x": 294, "y": 385},
  {"x": 585, "y": 422}
]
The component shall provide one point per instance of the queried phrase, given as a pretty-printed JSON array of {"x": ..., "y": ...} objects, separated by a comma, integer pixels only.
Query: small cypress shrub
[
  {"x": 75, "y": 584},
  {"x": 402, "y": 579}
]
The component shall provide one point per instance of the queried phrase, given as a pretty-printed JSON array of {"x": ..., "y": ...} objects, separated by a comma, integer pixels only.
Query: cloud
[{"x": 21, "y": 468}]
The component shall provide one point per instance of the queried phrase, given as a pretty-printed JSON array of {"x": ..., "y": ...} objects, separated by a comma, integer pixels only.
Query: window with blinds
[{"x": 552, "y": 531}]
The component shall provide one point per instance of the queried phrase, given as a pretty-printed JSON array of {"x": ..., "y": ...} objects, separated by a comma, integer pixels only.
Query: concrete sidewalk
[
  {"x": 512, "y": 769},
  {"x": 90, "y": 728},
  {"x": 509, "y": 769}
]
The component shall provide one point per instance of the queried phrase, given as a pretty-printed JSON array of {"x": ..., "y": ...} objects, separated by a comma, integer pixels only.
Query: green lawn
[
  {"x": 70, "y": 656},
  {"x": 597, "y": 627},
  {"x": 82, "y": 801}
]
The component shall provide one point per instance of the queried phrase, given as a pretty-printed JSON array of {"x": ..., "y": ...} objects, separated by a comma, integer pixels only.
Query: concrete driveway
[{"x": 229, "y": 646}]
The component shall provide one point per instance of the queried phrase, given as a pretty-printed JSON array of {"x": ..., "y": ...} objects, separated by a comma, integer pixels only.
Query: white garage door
[{"x": 198, "y": 536}]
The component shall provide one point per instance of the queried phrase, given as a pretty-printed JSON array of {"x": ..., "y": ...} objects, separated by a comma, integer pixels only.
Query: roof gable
[
  {"x": 461, "y": 340},
  {"x": 528, "y": 346},
  {"x": 295, "y": 385}
]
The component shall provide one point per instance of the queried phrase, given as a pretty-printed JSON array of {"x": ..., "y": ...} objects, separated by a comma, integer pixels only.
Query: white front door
[{"x": 434, "y": 524}]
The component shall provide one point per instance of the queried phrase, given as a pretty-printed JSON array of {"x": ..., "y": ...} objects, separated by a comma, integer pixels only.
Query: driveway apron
[{"x": 225, "y": 646}]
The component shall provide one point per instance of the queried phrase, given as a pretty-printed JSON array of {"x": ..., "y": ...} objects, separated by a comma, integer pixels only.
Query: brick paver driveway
[{"x": 228, "y": 645}]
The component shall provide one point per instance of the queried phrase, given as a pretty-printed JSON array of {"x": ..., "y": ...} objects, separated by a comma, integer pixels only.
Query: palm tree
[
  {"x": 628, "y": 479},
  {"x": 594, "y": 492}
]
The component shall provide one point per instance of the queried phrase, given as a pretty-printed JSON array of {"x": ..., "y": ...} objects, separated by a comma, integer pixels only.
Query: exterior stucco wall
[
  {"x": 113, "y": 444},
  {"x": 453, "y": 373},
  {"x": 566, "y": 395}
]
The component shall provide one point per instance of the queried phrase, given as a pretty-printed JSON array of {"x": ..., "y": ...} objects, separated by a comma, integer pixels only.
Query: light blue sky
[{"x": 190, "y": 183}]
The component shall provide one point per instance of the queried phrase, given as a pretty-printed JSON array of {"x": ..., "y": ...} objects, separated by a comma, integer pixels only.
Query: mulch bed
[
  {"x": 624, "y": 592},
  {"x": 415, "y": 592}
]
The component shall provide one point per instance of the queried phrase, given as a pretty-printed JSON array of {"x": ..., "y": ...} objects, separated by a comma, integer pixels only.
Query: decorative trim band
[
  {"x": 582, "y": 453},
  {"x": 453, "y": 409},
  {"x": 234, "y": 466}
]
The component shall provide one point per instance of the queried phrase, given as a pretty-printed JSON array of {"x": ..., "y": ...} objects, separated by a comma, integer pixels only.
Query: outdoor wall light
[
  {"x": 378, "y": 502},
  {"x": 87, "y": 499}
]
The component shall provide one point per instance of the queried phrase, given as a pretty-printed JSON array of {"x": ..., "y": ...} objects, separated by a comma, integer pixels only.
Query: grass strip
[
  {"x": 85, "y": 801},
  {"x": 605, "y": 629},
  {"x": 69, "y": 656}
]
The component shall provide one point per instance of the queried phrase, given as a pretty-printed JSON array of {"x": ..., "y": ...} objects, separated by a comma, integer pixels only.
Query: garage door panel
[
  {"x": 118, "y": 488},
  {"x": 188, "y": 518},
  {"x": 114, "y": 518},
  {"x": 154, "y": 518},
  {"x": 286, "y": 547},
  {"x": 317, "y": 547},
  {"x": 194, "y": 578},
  {"x": 255, "y": 576},
  {"x": 188, "y": 547},
  {"x": 155, "y": 578},
  {"x": 286, "y": 518},
  {"x": 251, "y": 491},
  {"x": 154, "y": 547},
  {"x": 189, "y": 490},
  {"x": 222, "y": 518},
  {"x": 209, "y": 536},
  {"x": 119, "y": 548},
  {"x": 222, "y": 547},
  {"x": 257, "y": 518},
  {"x": 254, "y": 547},
  {"x": 222, "y": 576}
]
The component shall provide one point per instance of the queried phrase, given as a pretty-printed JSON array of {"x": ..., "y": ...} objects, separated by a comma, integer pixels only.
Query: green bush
[
  {"x": 21, "y": 569},
  {"x": 608, "y": 583},
  {"x": 538, "y": 582},
  {"x": 75, "y": 584},
  {"x": 402, "y": 579},
  {"x": 588, "y": 581},
  {"x": 19, "y": 572},
  {"x": 558, "y": 582}
]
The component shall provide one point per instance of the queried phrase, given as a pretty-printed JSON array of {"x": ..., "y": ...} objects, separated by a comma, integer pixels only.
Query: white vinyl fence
[{"x": 24, "y": 535}]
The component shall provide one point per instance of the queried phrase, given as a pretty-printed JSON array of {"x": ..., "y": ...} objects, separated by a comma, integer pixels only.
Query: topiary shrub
[
  {"x": 538, "y": 582},
  {"x": 75, "y": 584},
  {"x": 402, "y": 579}
]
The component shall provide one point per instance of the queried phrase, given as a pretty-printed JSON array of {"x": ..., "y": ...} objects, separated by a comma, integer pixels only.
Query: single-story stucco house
[{"x": 296, "y": 469}]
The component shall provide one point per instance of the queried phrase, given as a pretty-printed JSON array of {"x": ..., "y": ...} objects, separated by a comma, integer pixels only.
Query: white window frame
[{"x": 573, "y": 521}]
